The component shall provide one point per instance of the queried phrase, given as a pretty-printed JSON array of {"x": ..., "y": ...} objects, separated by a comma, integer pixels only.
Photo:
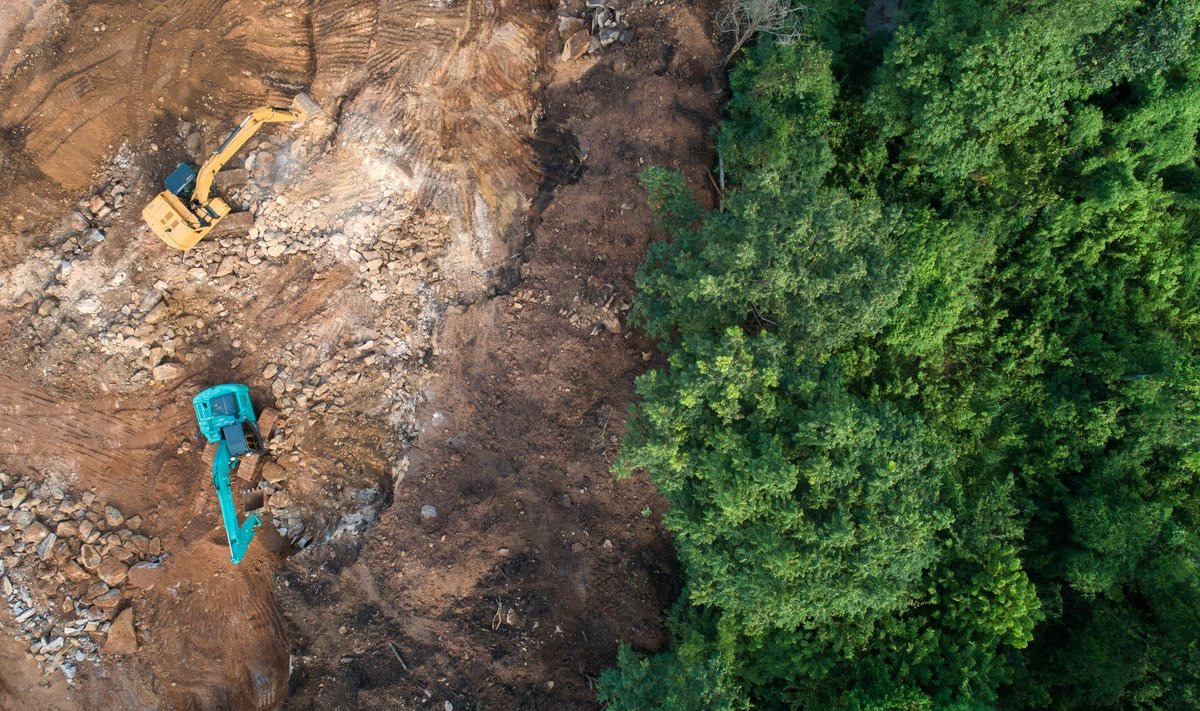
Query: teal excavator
[{"x": 227, "y": 420}]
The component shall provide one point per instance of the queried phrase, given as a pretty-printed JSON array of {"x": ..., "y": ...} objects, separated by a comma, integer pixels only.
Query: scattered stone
[
  {"x": 226, "y": 266},
  {"x": 90, "y": 305},
  {"x": 122, "y": 639},
  {"x": 113, "y": 571},
  {"x": 74, "y": 573},
  {"x": 576, "y": 45},
  {"x": 89, "y": 557},
  {"x": 270, "y": 371},
  {"x": 113, "y": 516},
  {"x": 428, "y": 512},
  {"x": 108, "y": 600},
  {"x": 568, "y": 26},
  {"x": 167, "y": 371},
  {"x": 67, "y": 529},
  {"x": 92, "y": 236},
  {"x": 78, "y": 222},
  {"x": 156, "y": 314},
  {"x": 36, "y": 532},
  {"x": 273, "y": 473},
  {"x": 47, "y": 544},
  {"x": 19, "y": 496}
]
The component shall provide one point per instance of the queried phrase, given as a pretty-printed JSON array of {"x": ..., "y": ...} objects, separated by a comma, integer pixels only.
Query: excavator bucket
[{"x": 303, "y": 105}]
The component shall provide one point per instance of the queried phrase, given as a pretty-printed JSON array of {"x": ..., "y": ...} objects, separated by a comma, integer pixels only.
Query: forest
[{"x": 929, "y": 426}]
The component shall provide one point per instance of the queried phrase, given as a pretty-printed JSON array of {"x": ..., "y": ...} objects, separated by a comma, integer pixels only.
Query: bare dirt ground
[{"x": 433, "y": 295}]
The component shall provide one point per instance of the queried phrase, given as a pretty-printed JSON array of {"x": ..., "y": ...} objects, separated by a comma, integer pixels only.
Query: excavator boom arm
[
  {"x": 239, "y": 535},
  {"x": 244, "y": 132}
]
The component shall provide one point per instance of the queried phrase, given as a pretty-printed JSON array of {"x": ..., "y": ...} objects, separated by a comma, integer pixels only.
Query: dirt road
[{"x": 433, "y": 295}]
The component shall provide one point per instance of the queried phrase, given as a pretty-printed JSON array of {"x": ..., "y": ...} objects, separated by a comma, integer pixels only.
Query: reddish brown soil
[{"x": 538, "y": 562}]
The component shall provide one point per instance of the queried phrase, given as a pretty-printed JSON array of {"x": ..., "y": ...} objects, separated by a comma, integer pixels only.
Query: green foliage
[{"x": 929, "y": 426}]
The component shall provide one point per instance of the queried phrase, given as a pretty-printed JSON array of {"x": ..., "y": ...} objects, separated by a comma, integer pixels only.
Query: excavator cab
[{"x": 182, "y": 181}]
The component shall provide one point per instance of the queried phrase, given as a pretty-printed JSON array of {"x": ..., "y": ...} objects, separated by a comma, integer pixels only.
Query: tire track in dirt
[
  {"x": 75, "y": 105},
  {"x": 107, "y": 442},
  {"x": 444, "y": 93},
  {"x": 220, "y": 628}
]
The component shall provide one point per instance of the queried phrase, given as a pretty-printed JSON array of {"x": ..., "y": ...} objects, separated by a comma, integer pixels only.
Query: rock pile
[
  {"x": 68, "y": 564},
  {"x": 82, "y": 231},
  {"x": 607, "y": 25}
]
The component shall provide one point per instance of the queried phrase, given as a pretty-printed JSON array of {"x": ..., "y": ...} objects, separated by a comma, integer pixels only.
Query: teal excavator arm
[
  {"x": 239, "y": 535},
  {"x": 226, "y": 419}
]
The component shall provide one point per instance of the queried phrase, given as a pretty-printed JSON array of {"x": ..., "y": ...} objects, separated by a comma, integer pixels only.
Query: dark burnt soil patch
[{"x": 538, "y": 563}]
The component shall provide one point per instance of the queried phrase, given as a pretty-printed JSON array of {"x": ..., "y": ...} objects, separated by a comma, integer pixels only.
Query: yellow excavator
[{"x": 187, "y": 210}]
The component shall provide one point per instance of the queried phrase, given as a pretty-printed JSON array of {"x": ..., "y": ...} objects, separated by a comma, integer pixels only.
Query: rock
[
  {"x": 156, "y": 314},
  {"x": 122, "y": 639},
  {"x": 197, "y": 273},
  {"x": 192, "y": 142},
  {"x": 133, "y": 523},
  {"x": 612, "y": 324},
  {"x": 23, "y": 519},
  {"x": 270, "y": 371},
  {"x": 74, "y": 573},
  {"x": 568, "y": 26},
  {"x": 67, "y": 529},
  {"x": 47, "y": 544},
  {"x": 275, "y": 250},
  {"x": 608, "y": 35},
  {"x": 94, "y": 591},
  {"x": 113, "y": 571},
  {"x": 36, "y": 532},
  {"x": 428, "y": 512},
  {"x": 144, "y": 575},
  {"x": 92, "y": 236},
  {"x": 90, "y": 305},
  {"x": 89, "y": 557},
  {"x": 19, "y": 496},
  {"x": 95, "y": 204},
  {"x": 113, "y": 516},
  {"x": 226, "y": 266},
  {"x": 108, "y": 600},
  {"x": 167, "y": 371},
  {"x": 88, "y": 532},
  {"x": 78, "y": 222},
  {"x": 274, "y": 473},
  {"x": 576, "y": 45}
]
